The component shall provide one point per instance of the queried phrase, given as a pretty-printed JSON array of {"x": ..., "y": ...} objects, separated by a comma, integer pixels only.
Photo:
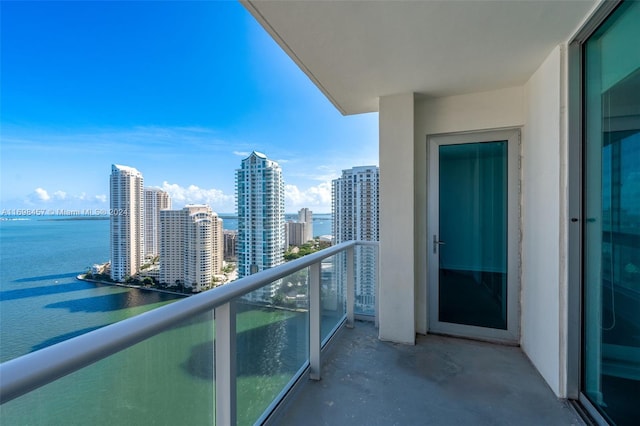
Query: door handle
[{"x": 436, "y": 243}]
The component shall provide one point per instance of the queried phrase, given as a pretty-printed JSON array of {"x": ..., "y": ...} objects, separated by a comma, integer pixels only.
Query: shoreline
[{"x": 81, "y": 277}]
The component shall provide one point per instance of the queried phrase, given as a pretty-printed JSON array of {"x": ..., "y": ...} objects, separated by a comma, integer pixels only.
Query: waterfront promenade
[{"x": 81, "y": 277}]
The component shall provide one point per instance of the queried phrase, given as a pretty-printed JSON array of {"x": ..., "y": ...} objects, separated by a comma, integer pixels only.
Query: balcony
[
  {"x": 230, "y": 356},
  {"x": 439, "y": 381}
]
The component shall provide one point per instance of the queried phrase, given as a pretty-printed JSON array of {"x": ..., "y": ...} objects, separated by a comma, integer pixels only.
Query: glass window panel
[
  {"x": 365, "y": 280},
  {"x": 611, "y": 367},
  {"x": 272, "y": 342},
  {"x": 473, "y": 228},
  {"x": 165, "y": 380},
  {"x": 333, "y": 284}
]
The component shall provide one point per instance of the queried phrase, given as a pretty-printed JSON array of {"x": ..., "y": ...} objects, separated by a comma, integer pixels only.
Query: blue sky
[{"x": 182, "y": 91}]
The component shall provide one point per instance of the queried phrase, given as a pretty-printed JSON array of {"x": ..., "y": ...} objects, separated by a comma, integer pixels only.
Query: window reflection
[{"x": 611, "y": 368}]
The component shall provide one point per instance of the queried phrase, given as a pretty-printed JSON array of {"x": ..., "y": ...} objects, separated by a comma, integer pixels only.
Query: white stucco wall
[
  {"x": 535, "y": 107},
  {"x": 470, "y": 112},
  {"x": 396, "y": 296},
  {"x": 541, "y": 191}
]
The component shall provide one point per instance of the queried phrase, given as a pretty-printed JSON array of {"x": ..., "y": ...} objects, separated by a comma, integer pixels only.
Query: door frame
[{"x": 512, "y": 333}]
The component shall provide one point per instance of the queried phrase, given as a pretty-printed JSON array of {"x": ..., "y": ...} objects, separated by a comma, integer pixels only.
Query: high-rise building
[
  {"x": 355, "y": 213},
  {"x": 154, "y": 200},
  {"x": 191, "y": 247},
  {"x": 230, "y": 238},
  {"x": 260, "y": 207},
  {"x": 299, "y": 232},
  {"x": 355, "y": 205},
  {"x": 172, "y": 224},
  {"x": 126, "y": 221},
  {"x": 296, "y": 233},
  {"x": 306, "y": 216}
]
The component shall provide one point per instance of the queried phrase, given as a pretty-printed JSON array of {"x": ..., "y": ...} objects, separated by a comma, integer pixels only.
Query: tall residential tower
[
  {"x": 191, "y": 247},
  {"x": 154, "y": 200},
  {"x": 355, "y": 205},
  {"x": 306, "y": 216},
  {"x": 126, "y": 221},
  {"x": 355, "y": 213},
  {"x": 260, "y": 206}
]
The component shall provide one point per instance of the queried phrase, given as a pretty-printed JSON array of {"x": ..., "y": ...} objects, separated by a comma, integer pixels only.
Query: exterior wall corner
[{"x": 397, "y": 278}]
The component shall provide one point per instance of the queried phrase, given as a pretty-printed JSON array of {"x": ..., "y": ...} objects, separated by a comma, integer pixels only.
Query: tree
[
  {"x": 278, "y": 299},
  {"x": 294, "y": 252}
]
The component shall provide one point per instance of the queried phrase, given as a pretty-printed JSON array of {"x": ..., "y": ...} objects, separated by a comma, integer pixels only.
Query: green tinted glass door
[
  {"x": 473, "y": 229},
  {"x": 471, "y": 221}
]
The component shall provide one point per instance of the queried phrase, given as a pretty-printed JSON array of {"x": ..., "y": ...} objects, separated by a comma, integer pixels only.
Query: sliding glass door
[{"x": 611, "y": 256}]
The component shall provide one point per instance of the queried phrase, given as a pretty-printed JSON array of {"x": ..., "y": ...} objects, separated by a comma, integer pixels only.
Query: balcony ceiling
[{"x": 358, "y": 51}]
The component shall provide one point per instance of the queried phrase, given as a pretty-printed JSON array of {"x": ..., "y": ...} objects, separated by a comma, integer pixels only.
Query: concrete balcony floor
[{"x": 439, "y": 381}]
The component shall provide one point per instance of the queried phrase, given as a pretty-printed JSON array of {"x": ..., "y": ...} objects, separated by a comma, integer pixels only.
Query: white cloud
[
  {"x": 41, "y": 194},
  {"x": 243, "y": 154},
  {"x": 181, "y": 196},
  {"x": 317, "y": 197},
  {"x": 61, "y": 199},
  {"x": 215, "y": 198}
]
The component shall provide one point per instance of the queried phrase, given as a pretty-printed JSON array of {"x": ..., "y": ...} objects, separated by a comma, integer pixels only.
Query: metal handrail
[{"x": 34, "y": 370}]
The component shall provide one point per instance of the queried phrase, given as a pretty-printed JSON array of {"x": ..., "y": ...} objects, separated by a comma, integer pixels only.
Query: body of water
[
  {"x": 168, "y": 378},
  {"x": 321, "y": 222},
  {"x": 41, "y": 302}
]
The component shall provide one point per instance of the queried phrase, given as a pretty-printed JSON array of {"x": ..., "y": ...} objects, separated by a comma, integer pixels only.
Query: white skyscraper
[
  {"x": 355, "y": 217},
  {"x": 127, "y": 221},
  {"x": 355, "y": 205},
  {"x": 154, "y": 200},
  {"x": 260, "y": 207},
  {"x": 191, "y": 247}
]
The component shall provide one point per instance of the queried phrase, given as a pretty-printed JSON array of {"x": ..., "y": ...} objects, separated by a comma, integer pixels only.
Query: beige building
[
  {"x": 155, "y": 200},
  {"x": 296, "y": 233},
  {"x": 191, "y": 247},
  {"x": 306, "y": 216}
]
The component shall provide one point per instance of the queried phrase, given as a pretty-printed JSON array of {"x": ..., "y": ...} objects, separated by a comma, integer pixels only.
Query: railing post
[
  {"x": 376, "y": 250},
  {"x": 351, "y": 284},
  {"x": 315, "y": 338},
  {"x": 225, "y": 364}
]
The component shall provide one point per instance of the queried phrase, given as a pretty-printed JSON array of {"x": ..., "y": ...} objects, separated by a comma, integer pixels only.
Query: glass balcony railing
[
  {"x": 225, "y": 356},
  {"x": 165, "y": 379}
]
